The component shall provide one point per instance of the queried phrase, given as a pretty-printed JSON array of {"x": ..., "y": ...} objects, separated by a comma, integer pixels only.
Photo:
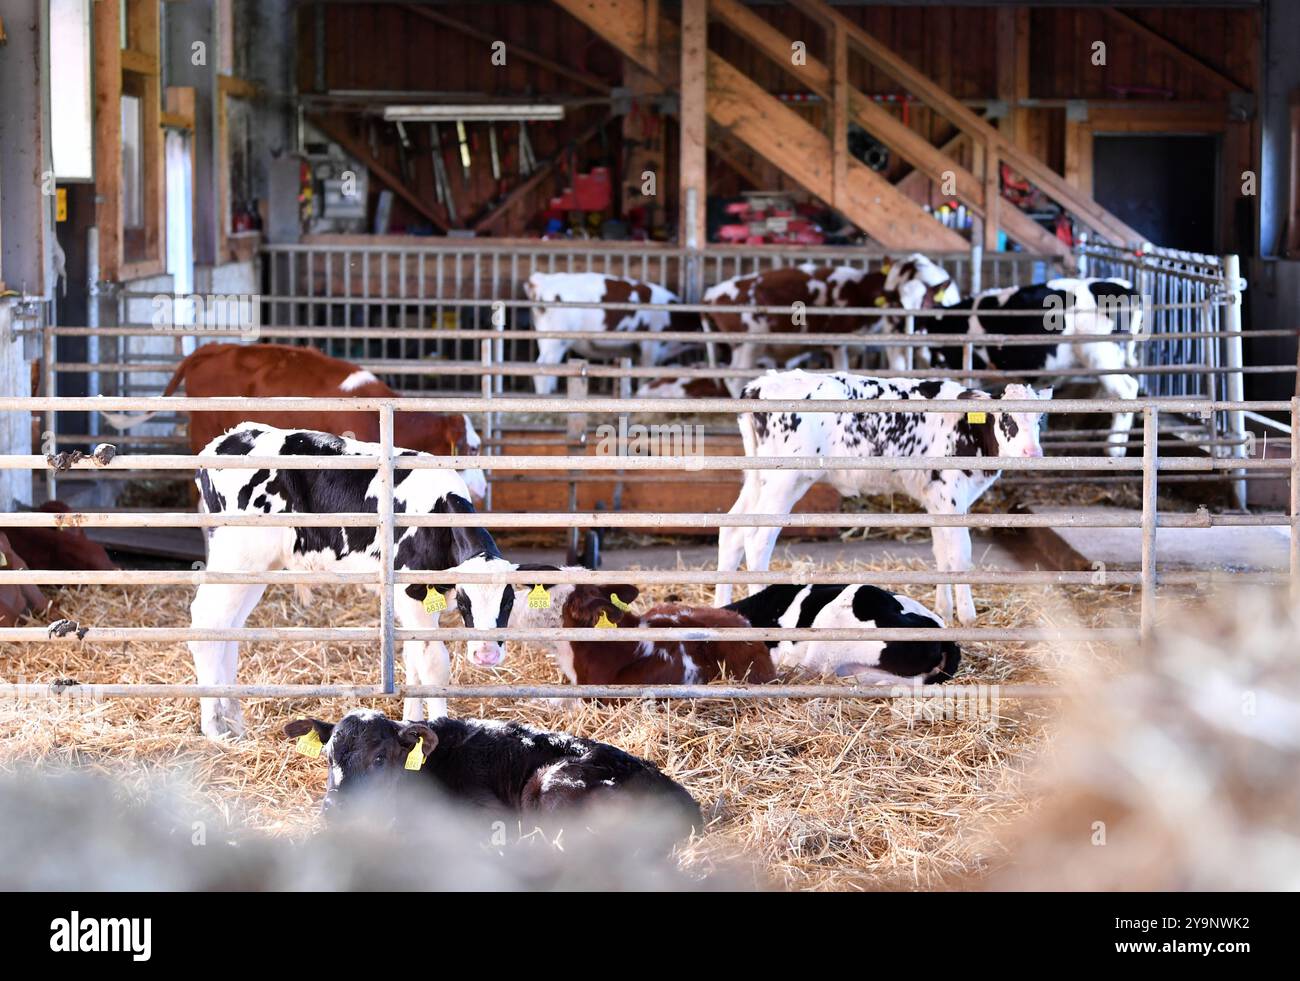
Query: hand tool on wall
[
  {"x": 496, "y": 154},
  {"x": 404, "y": 153},
  {"x": 440, "y": 174},
  {"x": 463, "y": 140}
]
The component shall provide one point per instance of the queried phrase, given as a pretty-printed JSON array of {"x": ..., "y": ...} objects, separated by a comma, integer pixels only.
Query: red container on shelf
[{"x": 593, "y": 191}]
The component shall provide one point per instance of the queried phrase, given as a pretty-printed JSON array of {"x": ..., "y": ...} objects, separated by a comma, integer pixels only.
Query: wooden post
[
  {"x": 693, "y": 114},
  {"x": 839, "y": 113},
  {"x": 992, "y": 196}
]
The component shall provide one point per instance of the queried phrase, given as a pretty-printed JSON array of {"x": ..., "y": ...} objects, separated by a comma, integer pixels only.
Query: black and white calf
[
  {"x": 870, "y": 661},
  {"x": 1069, "y": 307},
  {"x": 502, "y": 766},
  {"x": 332, "y": 491},
  {"x": 979, "y": 433}
]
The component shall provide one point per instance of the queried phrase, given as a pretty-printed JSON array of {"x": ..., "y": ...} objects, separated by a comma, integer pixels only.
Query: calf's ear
[
  {"x": 413, "y": 732},
  {"x": 300, "y": 727},
  {"x": 625, "y": 593},
  {"x": 1045, "y": 393}
]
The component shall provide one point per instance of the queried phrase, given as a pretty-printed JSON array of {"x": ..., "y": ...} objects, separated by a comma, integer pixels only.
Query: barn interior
[{"x": 379, "y": 181}]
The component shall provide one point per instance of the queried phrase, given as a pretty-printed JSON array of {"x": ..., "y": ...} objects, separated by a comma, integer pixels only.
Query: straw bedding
[{"x": 822, "y": 794}]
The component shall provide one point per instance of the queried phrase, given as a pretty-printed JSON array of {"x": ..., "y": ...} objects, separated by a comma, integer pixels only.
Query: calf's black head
[{"x": 367, "y": 754}]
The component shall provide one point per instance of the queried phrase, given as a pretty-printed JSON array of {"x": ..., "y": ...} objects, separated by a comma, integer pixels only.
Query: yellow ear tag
[
  {"x": 977, "y": 417},
  {"x": 881, "y": 301},
  {"x": 618, "y": 603},
  {"x": 4, "y": 560},
  {"x": 415, "y": 758},
  {"x": 309, "y": 743},
  {"x": 604, "y": 622},
  {"x": 886, "y": 267},
  {"x": 539, "y": 598},
  {"x": 434, "y": 601}
]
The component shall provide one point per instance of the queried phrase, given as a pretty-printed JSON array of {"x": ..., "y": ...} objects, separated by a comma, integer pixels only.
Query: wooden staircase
[{"x": 821, "y": 163}]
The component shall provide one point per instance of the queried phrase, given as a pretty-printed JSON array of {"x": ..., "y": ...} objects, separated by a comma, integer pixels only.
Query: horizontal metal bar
[
  {"x": 921, "y": 339},
  {"x": 539, "y": 404},
  {"x": 519, "y": 369},
  {"x": 623, "y": 519},
  {"x": 691, "y": 464},
  {"x": 800, "y": 577},
  {"x": 979, "y": 693},
  {"x": 366, "y": 635}
]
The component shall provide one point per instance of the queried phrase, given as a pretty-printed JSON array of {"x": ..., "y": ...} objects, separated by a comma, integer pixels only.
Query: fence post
[
  {"x": 489, "y": 420},
  {"x": 387, "y": 642},
  {"x": 1235, "y": 389},
  {"x": 1150, "y": 454},
  {"x": 50, "y": 384},
  {"x": 1295, "y": 499},
  {"x": 576, "y": 440}
]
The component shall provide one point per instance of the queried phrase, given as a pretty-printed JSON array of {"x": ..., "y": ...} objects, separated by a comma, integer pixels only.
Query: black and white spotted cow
[
  {"x": 1069, "y": 307},
  {"x": 506, "y": 767},
  {"x": 982, "y": 432},
  {"x": 356, "y": 549},
  {"x": 835, "y": 607}
]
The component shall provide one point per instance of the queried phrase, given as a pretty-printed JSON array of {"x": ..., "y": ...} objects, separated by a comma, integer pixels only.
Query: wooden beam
[
  {"x": 692, "y": 169},
  {"x": 839, "y": 115},
  {"x": 358, "y": 149},
  {"x": 520, "y": 191},
  {"x": 1171, "y": 48},
  {"x": 108, "y": 136},
  {"x": 954, "y": 110},
  {"x": 236, "y": 87},
  {"x": 776, "y": 132},
  {"x": 912, "y": 182},
  {"x": 513, "y": 50},
  {"x": 139, "y": 62},
  {"x": 652, "y": 35},
  {"x": 1013, "y": 69}
]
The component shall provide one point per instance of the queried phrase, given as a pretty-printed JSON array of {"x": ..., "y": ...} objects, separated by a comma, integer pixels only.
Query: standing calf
[
  {"x": 831, "y": 607},
  {"x": 442, "y": 551},
  {"x": 878, "y": 434},
  {"x": 502, "y": 766}
]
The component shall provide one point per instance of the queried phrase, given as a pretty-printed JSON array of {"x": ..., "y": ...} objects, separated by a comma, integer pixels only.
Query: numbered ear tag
[
  {"x": 604, "y": 622},
  {"x": 415, "y": 758},
  {"x": 618, "y": 603},
  {"x": 4, "y": 560},
  {"x": 977, "y": 417},
  {"x": 539, "y": 598},
  {"x": 309, "y": 743},
  {"x": 881, "y": 301},
  {"x": 886, "y": 267},
  {"x": 434, "y": 601}
]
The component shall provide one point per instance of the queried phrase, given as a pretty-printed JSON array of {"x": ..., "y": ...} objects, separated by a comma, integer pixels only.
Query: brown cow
[
  {"x": 650, "y": 662},
  {"x": 816, "y": 287},
  {"x": 15, "y": 601},
  {"x": 281, "y": 370},
  {"x": 58, "y": 548}
]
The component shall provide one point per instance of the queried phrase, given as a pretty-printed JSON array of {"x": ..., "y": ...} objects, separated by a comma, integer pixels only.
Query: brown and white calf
[
  {"x": 819, "y": 287},
  {"x": 506, "y": 767},
  {"x": 632, "y": 662},
  {"x": 16, "y": 600},
  {"x": 282, "y": 370},
  {"x": 64, "y": 548},
  {"x": 543, "y": 288}
]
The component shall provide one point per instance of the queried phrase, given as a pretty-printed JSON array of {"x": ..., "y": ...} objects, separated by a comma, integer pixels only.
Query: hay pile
[{"x": 813, "y": 794}]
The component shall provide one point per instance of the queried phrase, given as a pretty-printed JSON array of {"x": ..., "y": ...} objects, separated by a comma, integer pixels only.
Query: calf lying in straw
[
  {"x": 870, "y": 661},
  {"x": 502, "y": 766},
  {"x": 632, "y": 662}
]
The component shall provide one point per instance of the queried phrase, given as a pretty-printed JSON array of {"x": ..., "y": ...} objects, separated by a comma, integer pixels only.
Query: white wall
[{"x": 15, "y": 427}]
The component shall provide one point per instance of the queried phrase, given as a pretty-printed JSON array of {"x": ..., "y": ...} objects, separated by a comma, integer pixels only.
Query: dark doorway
[{"x": 1164, "y": 186}]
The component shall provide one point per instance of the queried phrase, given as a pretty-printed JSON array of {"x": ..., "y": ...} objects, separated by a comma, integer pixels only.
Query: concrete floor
[{"x": 1231, "y": 549}]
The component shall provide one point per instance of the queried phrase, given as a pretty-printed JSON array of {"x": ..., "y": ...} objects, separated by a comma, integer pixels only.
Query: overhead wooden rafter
[
  {"x": 935, "y": 163},
  {"x": 778, "y": 134},
  {"x": 998, "y": 146},
  {"x": 357, "y": 149},
  {"x": 1171, "y": 48}
]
